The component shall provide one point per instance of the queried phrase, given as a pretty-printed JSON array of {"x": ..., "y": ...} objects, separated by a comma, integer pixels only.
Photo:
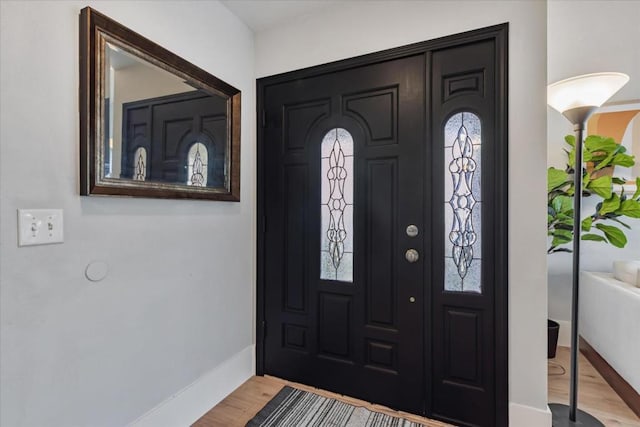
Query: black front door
[
  {"x": 339, "y": 288},
  {"x": 379, "y": 196}
]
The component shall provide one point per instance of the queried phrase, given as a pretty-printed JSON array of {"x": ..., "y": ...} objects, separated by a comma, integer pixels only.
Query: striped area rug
[{"x": 296, "y": 408}]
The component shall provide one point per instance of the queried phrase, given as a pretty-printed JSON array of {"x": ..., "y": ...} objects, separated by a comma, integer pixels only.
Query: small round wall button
[{"x": 96, "y": 271}]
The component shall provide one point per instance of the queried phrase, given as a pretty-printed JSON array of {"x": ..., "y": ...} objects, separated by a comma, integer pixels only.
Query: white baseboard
[
  {"x": 192, "y": 402},
  {"x": 564, "y": 339},
  {"x": 528, "y": 416}
]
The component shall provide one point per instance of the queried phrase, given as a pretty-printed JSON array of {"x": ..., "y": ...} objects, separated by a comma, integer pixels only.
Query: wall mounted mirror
[{"x": 151, "y": 123}]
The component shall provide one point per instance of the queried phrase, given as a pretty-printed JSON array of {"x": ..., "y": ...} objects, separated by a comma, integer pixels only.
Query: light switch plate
[{"x": 40, "y": 226}]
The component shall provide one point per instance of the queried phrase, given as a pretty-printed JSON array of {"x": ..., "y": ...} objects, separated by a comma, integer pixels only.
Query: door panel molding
[
  {"x": 380, "y": 303},
  {"x": 304, "y": 115},
  {"x": 361, "y": 105}
]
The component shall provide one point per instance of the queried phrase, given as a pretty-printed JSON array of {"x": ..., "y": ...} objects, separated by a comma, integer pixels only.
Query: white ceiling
[{"x": 260, "y": 15}]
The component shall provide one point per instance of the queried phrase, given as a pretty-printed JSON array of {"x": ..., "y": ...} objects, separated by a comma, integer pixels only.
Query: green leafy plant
[{"x": 611, "y": 212}]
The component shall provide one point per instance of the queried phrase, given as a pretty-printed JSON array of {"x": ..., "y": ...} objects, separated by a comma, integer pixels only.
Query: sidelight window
[
  {"x": 140, "y": 164},
  {"x": 463, "y": 203},
  {"x": 197, "y": 159},
  {"x": 336, "y": 235}
]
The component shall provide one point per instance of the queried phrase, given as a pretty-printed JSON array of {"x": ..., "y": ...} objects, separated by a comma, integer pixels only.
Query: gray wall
[
  {"x": 603, "y": 36},
  {"x": 178, "y": 299}
]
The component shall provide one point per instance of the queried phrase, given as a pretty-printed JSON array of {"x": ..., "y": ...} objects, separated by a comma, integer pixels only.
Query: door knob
[{"x": 412, "y": 255}]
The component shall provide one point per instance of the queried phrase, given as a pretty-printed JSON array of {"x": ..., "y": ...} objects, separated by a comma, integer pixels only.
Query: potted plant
[{"x": 614, "y": 207}]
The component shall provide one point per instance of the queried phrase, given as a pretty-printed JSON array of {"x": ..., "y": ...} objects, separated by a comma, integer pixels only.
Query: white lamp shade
[{"x": 588, "y": 90}]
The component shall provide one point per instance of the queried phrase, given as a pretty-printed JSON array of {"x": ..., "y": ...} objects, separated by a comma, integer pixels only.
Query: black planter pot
[{"x": 553, "y": 329}]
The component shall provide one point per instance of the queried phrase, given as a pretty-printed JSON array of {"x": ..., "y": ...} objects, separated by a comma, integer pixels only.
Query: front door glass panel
[
  {"x": 336, "y": 233},
  {"x": 463, "y": 203}
]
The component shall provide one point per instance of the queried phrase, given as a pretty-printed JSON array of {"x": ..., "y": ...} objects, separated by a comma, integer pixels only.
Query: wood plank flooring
[
  {"x": 595, "y": 396},
  {"x": 242, "y": 405}
]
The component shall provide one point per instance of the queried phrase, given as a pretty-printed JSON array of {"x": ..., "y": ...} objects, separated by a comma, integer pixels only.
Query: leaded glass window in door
[
  {"x": 463, "y": 203},
  {"x": 140, "y": 164},
  {"x": 336, "y": 234},
  {"x": 197, "y": 159}
]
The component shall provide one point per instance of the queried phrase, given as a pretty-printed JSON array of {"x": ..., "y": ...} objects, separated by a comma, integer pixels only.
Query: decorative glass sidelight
[
  {"x": 463, "y": 203},
  {"x": 336, "y": 236},
  {"x": 197, "y": 160},
  {"x": 140, "y": 164}
]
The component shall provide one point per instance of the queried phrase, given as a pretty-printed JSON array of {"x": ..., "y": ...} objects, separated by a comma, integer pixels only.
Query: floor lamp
[{"x": 576, "y": 98}]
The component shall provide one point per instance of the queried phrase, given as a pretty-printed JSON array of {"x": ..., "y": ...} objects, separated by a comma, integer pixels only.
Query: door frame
[{"x": 499, "y": 35}]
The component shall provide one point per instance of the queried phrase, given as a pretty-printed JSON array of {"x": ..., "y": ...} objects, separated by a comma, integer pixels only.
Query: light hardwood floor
[
  {"x": 242, "y": 405},
  {"x": 595, "y": 396}
]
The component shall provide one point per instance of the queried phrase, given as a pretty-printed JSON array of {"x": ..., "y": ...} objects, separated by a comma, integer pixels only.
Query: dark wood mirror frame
[{"x": 94, "y": 27}]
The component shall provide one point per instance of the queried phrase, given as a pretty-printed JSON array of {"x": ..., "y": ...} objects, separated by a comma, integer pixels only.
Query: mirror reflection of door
[
  {"x": 153, "y": 118},
  {"x": 184, "y": 136}
]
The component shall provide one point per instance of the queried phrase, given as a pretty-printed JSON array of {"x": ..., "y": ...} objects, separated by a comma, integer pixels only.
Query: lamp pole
[
  {"x": 577, "y": 116},
  {"x": 579, "y": 119},
  {"x": 563, "y": 415},
  {"x": 578, "y": 129},
  {"x": 576, "y": 98}
]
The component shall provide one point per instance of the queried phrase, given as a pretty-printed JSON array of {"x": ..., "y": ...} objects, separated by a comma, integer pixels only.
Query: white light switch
[{"x": 40, "y": 226}]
